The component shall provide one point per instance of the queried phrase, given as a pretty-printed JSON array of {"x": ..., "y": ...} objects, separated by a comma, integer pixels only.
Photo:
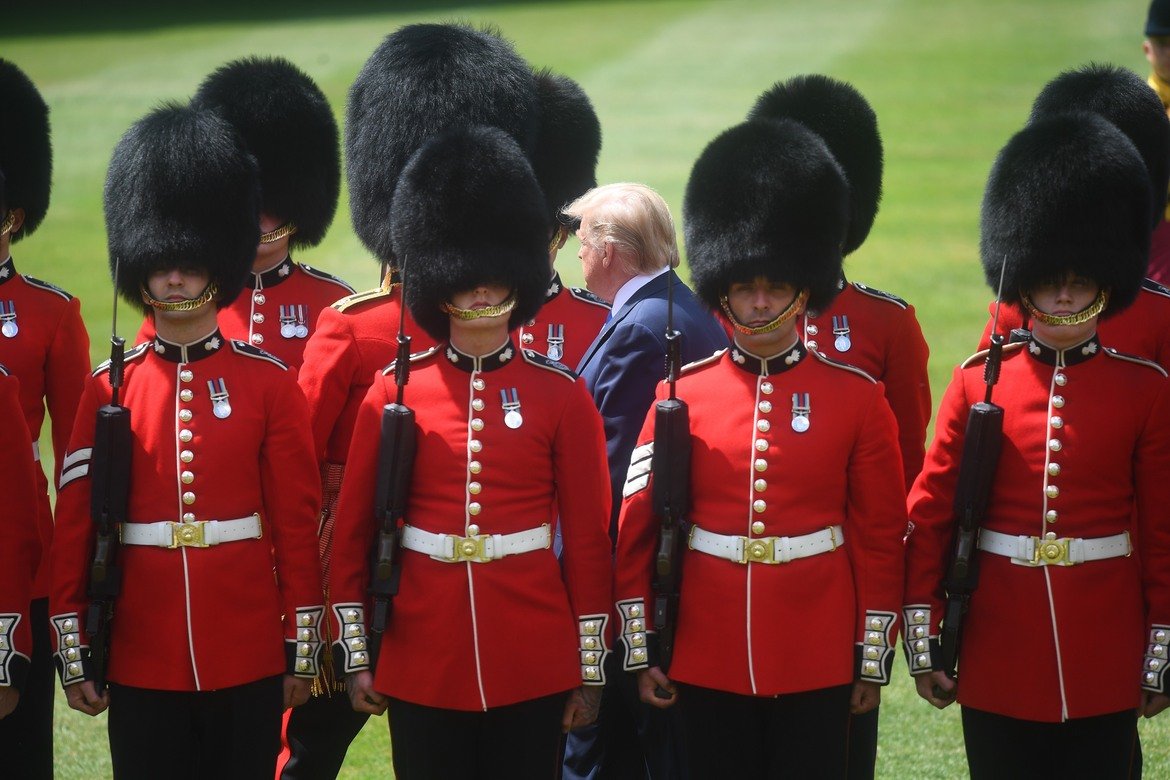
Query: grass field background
[{"x": 950, "y": 82}]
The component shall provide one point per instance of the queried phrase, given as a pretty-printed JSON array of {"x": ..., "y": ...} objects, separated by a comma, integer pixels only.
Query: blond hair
[{"x": 632, "y": 217}]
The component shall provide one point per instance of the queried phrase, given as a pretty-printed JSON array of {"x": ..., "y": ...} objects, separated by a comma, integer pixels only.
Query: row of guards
[{"x": 584, "y": 572}]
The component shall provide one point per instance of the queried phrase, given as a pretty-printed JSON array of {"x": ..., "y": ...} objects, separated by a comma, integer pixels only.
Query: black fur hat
[
  {"x": 182, "y": 190},
  {"x": 424, "y": 79},
  {"x": 468, "y": 210},
  {"x": 565, "y": 158},
  {"x": 1122, "y": 97},
  {"x": 1067, "y": 193},
  {"x": 766, "y": 198},
  {"x": 26, "y": 154},
  {"x": 841, "y": 116},
  {"x": 289, "y": 128}
]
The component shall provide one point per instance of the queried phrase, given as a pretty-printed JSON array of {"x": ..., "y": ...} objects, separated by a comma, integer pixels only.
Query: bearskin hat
[
  {"x": 468, "y": 210},
  {"x": 26, "y": 154},
  {"x": 842, "y": 117},
  {"x": 424, "y": 79},
  {"x": 1068, "y": 193},
  {"x": 182, "y": 190},
  {"x": 565, "y": 157},
  {"x": 289, "y": 128},
  {"x": 766, "y": 198},
  {"x": 1121, "y": 97}
]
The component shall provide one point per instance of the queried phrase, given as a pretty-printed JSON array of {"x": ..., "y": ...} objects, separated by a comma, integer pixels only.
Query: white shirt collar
[{"x": 627, "y": 290}]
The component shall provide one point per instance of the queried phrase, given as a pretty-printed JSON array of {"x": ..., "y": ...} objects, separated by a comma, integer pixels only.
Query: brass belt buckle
[
  {"x": 469, "y": 548},
  {"x": 758, "y": 550},
  {"x": 187, "y": 535},
  {"x": 1050, "y": 551}
]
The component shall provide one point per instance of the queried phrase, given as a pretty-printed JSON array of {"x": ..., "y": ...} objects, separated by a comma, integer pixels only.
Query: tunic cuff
[
  {"x": 875, "y": 652},
  {"x": 72, "y": 657},
  {"x": 923, "y": 653},
  {"x": 303, "y": 655},
  {"x": 636, "y": 652},
  {"x": 1154, "y": 663},
  {"x": 13, "y": 665},
  {"x": 591, "y": 631},
  {"x": 351, "y": 650}
]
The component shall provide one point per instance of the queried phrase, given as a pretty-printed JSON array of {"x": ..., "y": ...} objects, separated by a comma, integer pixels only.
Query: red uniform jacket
[
  {"x": 355, "y": 339},
  {"x": 1086, "y": 454},
  {"x": 878, "y": 333},
  {"x": 1142, "y": 329},
  {"x": 566, "y": 324},
  {"x": 469, "y": 636},
  {"x": 766, "y": 629},
  {"x": 199, "y": 618},
  {"x": 20, "y": 546},
  {"x": 277, "y": 310},
  {"x": 49, "y": 353}
]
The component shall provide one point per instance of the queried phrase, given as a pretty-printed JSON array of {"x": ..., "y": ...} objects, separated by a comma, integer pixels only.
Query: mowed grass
[{"x": 950, "y": 82}]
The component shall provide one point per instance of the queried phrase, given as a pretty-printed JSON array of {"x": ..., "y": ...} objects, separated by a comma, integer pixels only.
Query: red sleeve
[
  {"x": 67, "y": 365},
  {"x": 908, "y": 392},
  {"x": 20, "y": 546},
  {"x": 331, "y": 361}
]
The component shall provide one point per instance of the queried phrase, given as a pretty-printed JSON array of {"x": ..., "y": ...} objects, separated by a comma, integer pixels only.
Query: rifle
[
  {"x": 671, "y": 466},
  {"x": 981, "y": 448},
  {"x": 395, "y": 465},
  {"x": 109, "y": 499}
]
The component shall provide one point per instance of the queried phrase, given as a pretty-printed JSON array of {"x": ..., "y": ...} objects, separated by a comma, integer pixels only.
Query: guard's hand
[
  {"x": 362, "y": 695},
  {"x": 866, "y": 696},
  {"x": 937, "y": 688},
  {"x": 296, "y": 691},
  {"x": 1153, "y": 703},
  {"x": 9, "y": 698},
  {"x": 581, "y": 708},
  {"x": 652, "y": 684},
  {"x": 83, "y": 697}
]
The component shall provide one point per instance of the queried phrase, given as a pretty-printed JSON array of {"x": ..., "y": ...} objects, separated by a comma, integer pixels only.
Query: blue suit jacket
[{"x": 627, "y": 360}]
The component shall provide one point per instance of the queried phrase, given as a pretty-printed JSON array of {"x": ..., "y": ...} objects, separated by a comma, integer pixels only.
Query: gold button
[
  {"x": 353, "y": 630},
  {"x": 635, "y": 625},
  {"x": 1058, "y": 401},
  {"x": 875, "y": 624},
  {"x": 186, "y": 456},
  {"x": 763, "y": 426},
  {"x": 920, "y": 645},
  {"x": 70, "y": 640},
  {"x": 185, "y": 375},
  {"x": 811, "y": 330},
  {"x": 185, "y": 415},
  {"x": 1054, "y": 469},
  {"x": 186, "y": 395},
  {"x": 765, "y": 406},
  {"x": 188, "y": 517},
  {"x": 811, "y": 344},
  {"x": 872, "y": 652},
  {"x": 873, "y": 638},
  {"x": 187, "y": 477},
  {"x": 473, "y": 508},
  {"x": 476, "y": 424},
  {"x": 478, "y": 384},
  {"x": 759, "y": 505},
  {"x": 639, "y": 656},
  {"x": 74, "y": 669},
  {"x": 761, "y": 464},
  {"x": 1054, "y": 445},
  {"x": 302, "y": 665},
  {"x": 305, "y": 635},
  {"x": 758, "y": 527},
  {"x": 919, "y": 616},
  {"x": 1052, "y": 491},
  {"x": 590, "y": 643},
  {"x": 67, "y": 625},
  {"x": 306, "y": 620},
  {"x": 474, "y": 467},
  {"x": 188, "y": 498},
  {"x": 921, "y": 661},
  {"x": 71, "y": 654},
  {"x": 351, "y": 615},
  {"x": 1056, "y": 422},
  {"x": 760, "y": 485},
  {"x": 305, "y": 649},
  {"x": 259, "y": 298},
  {"x": 474, "y": 488},
  {"x": 359, "y": 658},
  {"x": 766, "y": 388},
  {"x": 258, "y": 317},
  {"x": 474, "y": 445},
  {"x": 1060, "y": 379},
  {"x": 473, "y": 530},
  {"x": 1160, "y": 636},
  {"x": 186, "y": 436},
  {"x": 257, "y": 338},
  {"x": 527, "y": 338},
  {"x": 1050, "y": 516},
  {"x": 589, "y": 627},
  {"x": 637, "y": 640},
  {"x": 918, "y": 632},
  {"x": 871, "y": 667},
  {"x": 762, "y": 445},
  {"x": 591, "y": 672},
  {"x": 591, "y": 657},
  {"x": 358, "y": 644},
  {"x": 477, "y": 404},
  {"x": 635, "y": 610}
]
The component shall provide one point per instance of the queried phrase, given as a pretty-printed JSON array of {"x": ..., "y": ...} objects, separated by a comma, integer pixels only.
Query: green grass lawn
[{"x": 950, "y": 81}]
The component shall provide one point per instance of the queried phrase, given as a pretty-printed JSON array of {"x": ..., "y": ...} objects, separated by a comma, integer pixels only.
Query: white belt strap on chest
[
  {"x": 766, "y": 549},
  {"x": 203, "y": 533},
  {"x": 485, "y": 548},
  {"x": 1051, "y": 551}
]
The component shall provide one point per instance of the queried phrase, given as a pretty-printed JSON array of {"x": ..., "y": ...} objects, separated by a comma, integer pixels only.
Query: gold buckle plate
[
  {"x": 468, "y": 548},
  {"x": 1050, "y": 551},
  {"x": 187, "y": 535},
  {"x": 761, "y": 550}
]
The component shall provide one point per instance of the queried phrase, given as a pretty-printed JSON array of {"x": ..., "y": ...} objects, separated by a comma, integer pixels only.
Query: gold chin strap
[
  {"x": 784, "y": 316},
  {"x": 9, "y": 220},
  {"x": 287, "y": 229},
  {"x": 188, "y": 305},
  {"x": 1084, "y": 315},
  {"x": 488, "y": 311}
]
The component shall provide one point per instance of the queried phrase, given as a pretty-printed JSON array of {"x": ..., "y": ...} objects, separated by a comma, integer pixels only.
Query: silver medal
[
  {"x": 221, "y": 406},
  {"x": 841, "y": 330},
  {"x": 555, "y": 352},
  {"x": 302, "y": 331},
  {"x": 222, "y": 409},
  {"x": 842, "y": 343},
  {"x": 8, "y": 317},
  {"x": 512, "y": 417},
  {"x": 556, "y": 340},
  {"x": 801, "y": 409},
  {"x": 288, "y": 330},
  {"x": 302, "y": 318},
  {"x": 9, "y": 328}
]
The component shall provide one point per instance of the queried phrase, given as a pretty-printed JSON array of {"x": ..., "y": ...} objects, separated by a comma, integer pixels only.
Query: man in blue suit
[{"x": 628, "y": 253}]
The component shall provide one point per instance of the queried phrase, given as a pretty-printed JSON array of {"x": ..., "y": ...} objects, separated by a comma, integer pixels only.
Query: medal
[
  {"x": 288, "y": 324},
  {"x": 8, "y": 317},
  {"x": 512, "y": 417},
  {"x": 841, "y": 331},
  {"x": 302, "y": 329},
  {"x": 556, "y": 340},
  {"x": 220, "y": 405},
  {"x": 800, "y": 412}
]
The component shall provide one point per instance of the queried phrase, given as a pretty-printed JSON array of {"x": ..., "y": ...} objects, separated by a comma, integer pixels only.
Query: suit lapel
[{"x": 652, "y": 287}]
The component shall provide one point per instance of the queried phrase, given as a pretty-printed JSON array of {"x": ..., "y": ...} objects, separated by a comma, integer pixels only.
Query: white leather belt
[
  {"x": 766, "y": 549},
  {"x": 450, "y": 548},
  {"x": 203, "y": 533},
  {"x": 36, "y": 452},
  {"x": 1050, "y": 551}
]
